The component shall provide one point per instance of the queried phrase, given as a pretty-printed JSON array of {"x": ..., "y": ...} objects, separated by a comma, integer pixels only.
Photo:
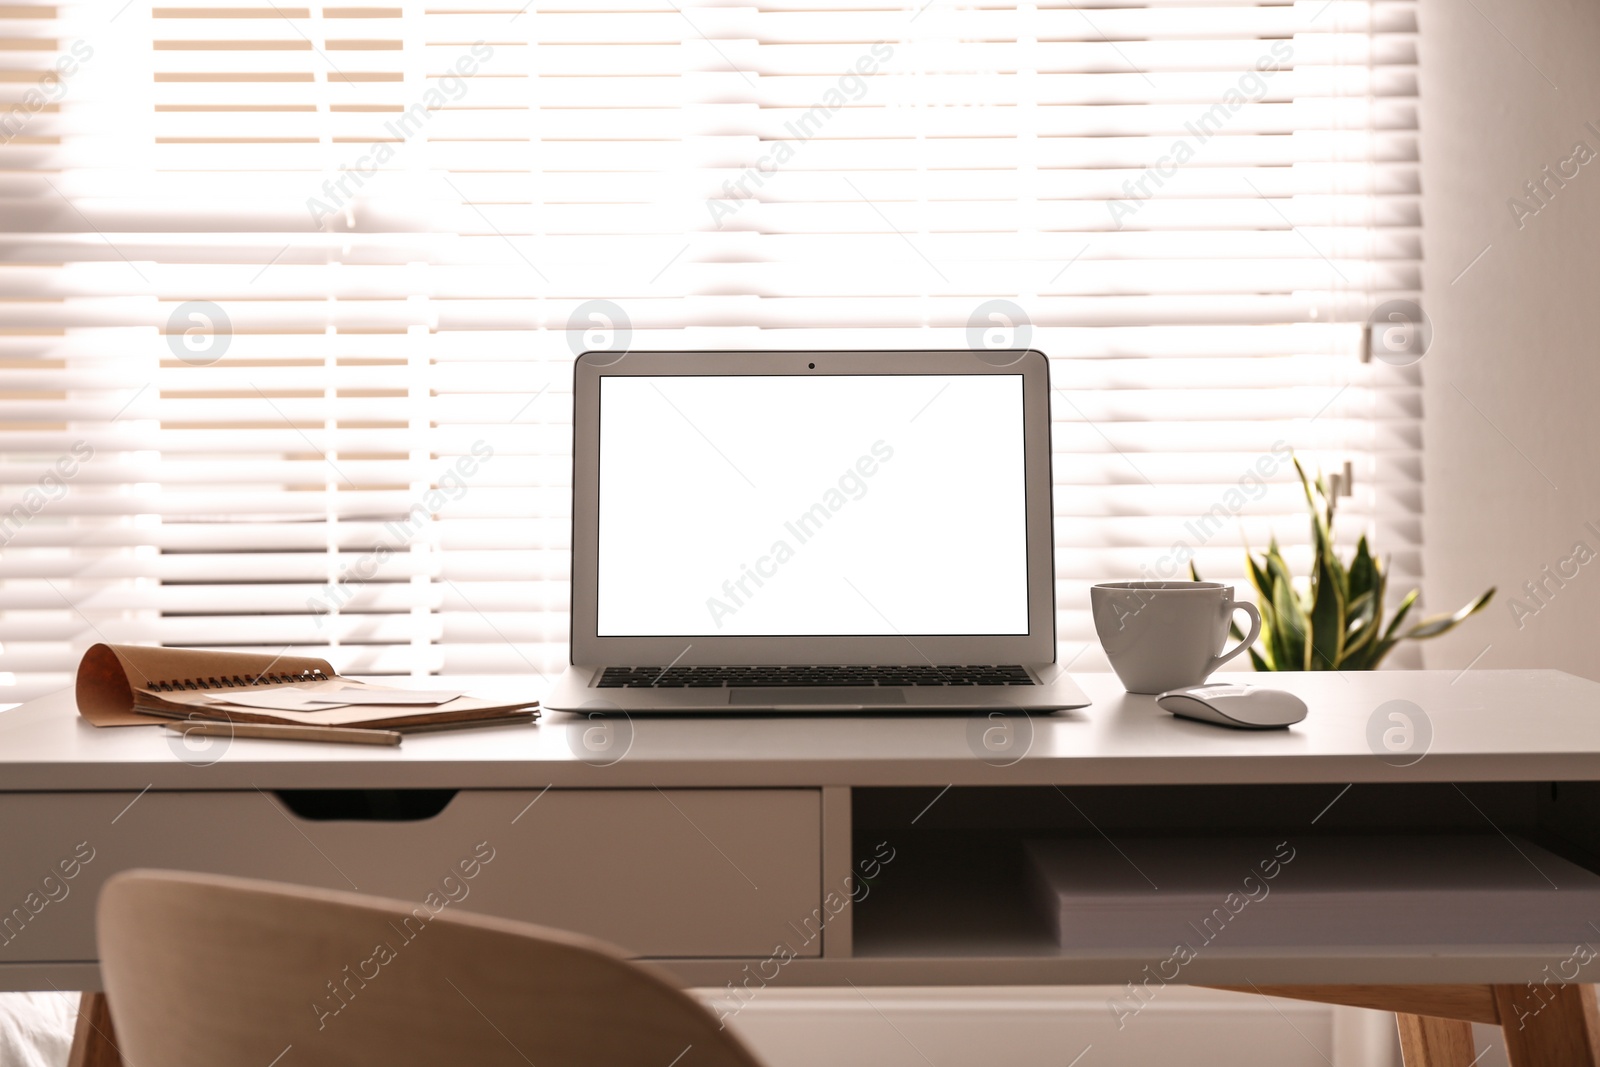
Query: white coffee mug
[{"x": 1167, "y": 635}]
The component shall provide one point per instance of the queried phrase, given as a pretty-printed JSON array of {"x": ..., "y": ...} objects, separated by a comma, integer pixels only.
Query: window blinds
[{"x": 291, "y": 293}]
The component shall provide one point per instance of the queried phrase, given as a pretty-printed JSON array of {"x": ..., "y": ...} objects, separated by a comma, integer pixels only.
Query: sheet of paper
[
  {"x": 296, "y": 699},
  {"x": 391, "y": 696},
  {"x": 277, "y": 699},
  {"x": 323, "y": 716}
]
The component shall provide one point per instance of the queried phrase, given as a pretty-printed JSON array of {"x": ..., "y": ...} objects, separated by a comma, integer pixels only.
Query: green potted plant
[{"x": 1337, "y": 624}]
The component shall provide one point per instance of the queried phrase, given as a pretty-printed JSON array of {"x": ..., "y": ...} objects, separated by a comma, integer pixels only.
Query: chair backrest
[{"x": 206, "y": 971}]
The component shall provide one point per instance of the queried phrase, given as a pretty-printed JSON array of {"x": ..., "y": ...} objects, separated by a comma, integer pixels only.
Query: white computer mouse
[{"x": 1230, "y": 704}]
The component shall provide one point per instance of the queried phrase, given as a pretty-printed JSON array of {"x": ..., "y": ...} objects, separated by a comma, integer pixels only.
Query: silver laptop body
[{"x": 812, "y": 531}]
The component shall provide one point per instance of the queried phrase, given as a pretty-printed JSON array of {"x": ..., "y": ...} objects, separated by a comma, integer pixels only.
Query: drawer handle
[{"x": 365, "y": 805}]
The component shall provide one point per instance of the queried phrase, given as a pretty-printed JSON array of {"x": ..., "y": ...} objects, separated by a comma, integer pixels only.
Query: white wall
[{"x": 1509, "y": 486}]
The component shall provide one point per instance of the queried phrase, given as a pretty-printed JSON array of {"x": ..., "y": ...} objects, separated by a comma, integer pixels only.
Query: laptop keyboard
[{"x": 743, "y": 677}]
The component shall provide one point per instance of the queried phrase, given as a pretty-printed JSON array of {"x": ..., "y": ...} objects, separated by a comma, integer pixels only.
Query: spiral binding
[{"x": 314, "y": 674}]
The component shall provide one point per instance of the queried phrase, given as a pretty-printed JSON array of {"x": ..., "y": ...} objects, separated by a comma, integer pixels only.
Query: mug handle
[{"x": 1249, "y": 638}]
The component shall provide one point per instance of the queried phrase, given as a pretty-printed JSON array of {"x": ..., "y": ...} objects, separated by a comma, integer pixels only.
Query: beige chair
[{"x": 204, "y": 971}]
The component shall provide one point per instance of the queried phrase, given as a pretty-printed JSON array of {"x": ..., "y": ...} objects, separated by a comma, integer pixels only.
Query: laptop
[{"x": 812, "y": 532}]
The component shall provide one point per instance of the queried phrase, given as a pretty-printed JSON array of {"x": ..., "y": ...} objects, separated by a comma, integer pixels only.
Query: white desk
[{"x": 707, "y": 842}]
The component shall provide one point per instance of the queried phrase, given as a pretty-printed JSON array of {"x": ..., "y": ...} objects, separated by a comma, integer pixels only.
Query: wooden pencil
[{"x": 288, "y": 732}]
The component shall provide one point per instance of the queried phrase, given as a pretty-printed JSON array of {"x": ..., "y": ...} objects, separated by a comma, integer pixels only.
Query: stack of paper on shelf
[
  {"x": 1302, "y": 890},
  {"x": 133, "y": 685}
]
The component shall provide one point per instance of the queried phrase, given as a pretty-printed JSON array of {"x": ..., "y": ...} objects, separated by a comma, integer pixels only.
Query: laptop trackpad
[{"x": 844, "y": 696}]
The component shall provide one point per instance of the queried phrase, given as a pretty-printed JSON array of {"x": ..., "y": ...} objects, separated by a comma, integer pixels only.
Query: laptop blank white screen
[{"x": 811, "y": 505}]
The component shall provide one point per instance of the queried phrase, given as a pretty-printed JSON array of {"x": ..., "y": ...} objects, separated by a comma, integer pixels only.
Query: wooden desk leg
[
  {"x": 1543, "y": 1025},
  {"x": 1429, "y": 1041},
  {"x": 1549, "y": 1025},
  {"x": 94, "y": 1042}
]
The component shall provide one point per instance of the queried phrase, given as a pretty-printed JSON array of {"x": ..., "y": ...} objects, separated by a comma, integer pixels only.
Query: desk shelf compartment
[{"x": 966, "y": 881}]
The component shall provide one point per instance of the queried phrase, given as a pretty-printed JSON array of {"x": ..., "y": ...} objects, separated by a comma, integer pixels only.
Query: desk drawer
[{"x": 675, "y": 873}]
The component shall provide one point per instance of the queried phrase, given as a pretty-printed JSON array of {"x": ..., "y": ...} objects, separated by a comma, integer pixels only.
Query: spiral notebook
[{"x": 136, "y": 685}]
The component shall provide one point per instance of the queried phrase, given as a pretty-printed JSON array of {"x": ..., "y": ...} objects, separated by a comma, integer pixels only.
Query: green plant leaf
[
  {"x": 1365, "y": 609},
  {"x": 1327, "y": 615},
  {"x": 1360, "y": 630},
  {"x": 1273, "y": 553},
  {"x": 1434, "y": 625},
  {"x": 1336, "y": 570},
  {"x": 1319, "y": 530},
  {"x": 1264, "y": 654},
  {"x": 1293, "y": 627},
  {"x": 1379, "y": 594},
  {"x": 1400, "y": 614},
  {"x": 1325, "y": 559},
  {"x": 1305, "y": 482},
  {"x": 1380, "y": 650},
  {"x": 1266, "y": 659},
  {"x": 1363, "y": 571},
  {"x": 1288, "y": 611},
  {"x": 1261, "y": 578}
]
